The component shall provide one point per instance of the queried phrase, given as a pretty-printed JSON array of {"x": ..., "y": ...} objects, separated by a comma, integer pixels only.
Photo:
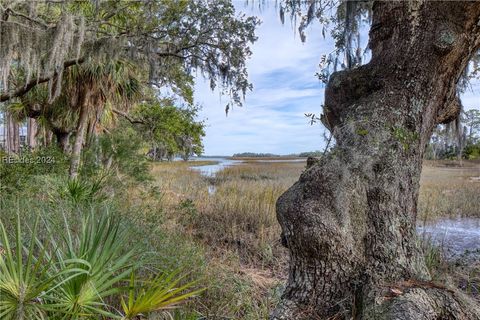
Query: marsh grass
[
  {"x": 237, "y": 227},
  {"x": 449, "y": 191},
  {"x": 229, "y": 239},
  {"x": 462, "y": 272},
  {"x": 240, "y": 215}
]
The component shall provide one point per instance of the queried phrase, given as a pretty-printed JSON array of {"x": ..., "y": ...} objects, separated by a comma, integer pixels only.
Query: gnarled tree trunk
[{"x": 349, "y": 222}]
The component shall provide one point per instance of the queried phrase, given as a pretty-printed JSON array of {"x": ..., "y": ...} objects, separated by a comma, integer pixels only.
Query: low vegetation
[
  {"x": 212, "y": 243},
  {"x": 449, "y": 189},
  {"x": 236, "y": 224}
]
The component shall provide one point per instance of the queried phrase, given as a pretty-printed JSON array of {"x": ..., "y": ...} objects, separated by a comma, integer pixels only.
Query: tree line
[
  {"x": 458, "y": 141},
  {"x": 272, "y": 155}
]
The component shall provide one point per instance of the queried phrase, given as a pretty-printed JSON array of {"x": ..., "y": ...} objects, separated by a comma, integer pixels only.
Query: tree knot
[{"x": 445, "y": 39}]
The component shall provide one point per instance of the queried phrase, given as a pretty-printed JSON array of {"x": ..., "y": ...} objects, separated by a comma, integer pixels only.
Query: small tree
[
  {"x": 169, "y": 129},
  {"x": 471, "y": 118}
]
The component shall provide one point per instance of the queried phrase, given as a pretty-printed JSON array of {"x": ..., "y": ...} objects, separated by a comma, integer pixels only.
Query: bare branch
[{"x": 126, "y": 116}]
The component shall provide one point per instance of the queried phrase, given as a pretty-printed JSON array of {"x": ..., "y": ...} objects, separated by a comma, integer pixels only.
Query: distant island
[{"x": 272, "y": 155}]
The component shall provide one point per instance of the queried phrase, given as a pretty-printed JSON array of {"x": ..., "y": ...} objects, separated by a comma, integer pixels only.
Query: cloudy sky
[{"x": 282, "y": 70}]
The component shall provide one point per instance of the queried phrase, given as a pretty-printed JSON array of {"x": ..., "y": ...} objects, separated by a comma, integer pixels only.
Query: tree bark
[
  {"x": 13, "y": 134},
  {"x": 32, "y": 133},
  {"x": 79, "y": 135},
  {"x": 63, "y": 140},
  {"x": 349, "y": 222},
  {"x": 48, "y": 135},
  {"x": 8, "y": 133}
]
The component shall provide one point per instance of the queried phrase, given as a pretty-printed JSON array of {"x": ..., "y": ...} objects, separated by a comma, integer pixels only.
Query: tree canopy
[
  {"x": 169, "y": 39},
  {"x": 170, "y": 130},
  {"x": 76, "y": 66}
]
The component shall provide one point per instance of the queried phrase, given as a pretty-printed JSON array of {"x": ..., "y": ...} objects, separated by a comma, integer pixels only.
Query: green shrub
[
  {"x": 188, "y": 211},
  {"x": 16, "y": 171},
  {"x": 472, "y": 151},
  {"x": 78, "y": 191},
  {"x": 121, "y": 151}
]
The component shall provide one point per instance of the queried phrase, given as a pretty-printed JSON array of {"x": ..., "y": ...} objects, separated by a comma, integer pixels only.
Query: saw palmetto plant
[
  {"x": 162, "y": 293},
  {"x": 26, "y": 277},
  {"x": 81, "y": 274}
]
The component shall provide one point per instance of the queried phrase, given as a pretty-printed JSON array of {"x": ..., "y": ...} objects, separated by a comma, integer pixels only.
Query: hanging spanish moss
[
  {"x": 454, "y": 130},
  {"x": 30, "y": 47},
  {"x": 39, "y": 39},
  {"x": 347, "y": 18}
]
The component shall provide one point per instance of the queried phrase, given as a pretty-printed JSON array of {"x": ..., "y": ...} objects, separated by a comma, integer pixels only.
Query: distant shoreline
[{"x": 267, "y": 158}]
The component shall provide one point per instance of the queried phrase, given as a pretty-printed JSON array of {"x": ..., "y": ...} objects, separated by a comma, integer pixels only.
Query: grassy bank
[
  {"x": 237, "y": 225},
  {"x": 240, "y": 215},
  {"x": 227, "y": 240},
  {"x": 237, "y": 228}
]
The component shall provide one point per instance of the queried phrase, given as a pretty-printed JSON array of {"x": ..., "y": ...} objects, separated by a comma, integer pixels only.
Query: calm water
[
  {"x": 212, "y": 169},
  {"x": 455, "y": 235}
]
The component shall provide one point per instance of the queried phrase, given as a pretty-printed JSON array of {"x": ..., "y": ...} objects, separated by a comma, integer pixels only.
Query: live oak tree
[
  {"x": 167, "y": 36},
  {"x": 349, "y": 222},
  {"x": 167, "y": 40}
]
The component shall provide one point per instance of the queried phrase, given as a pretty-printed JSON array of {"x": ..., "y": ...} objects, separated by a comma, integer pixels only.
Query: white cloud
[{"x": 282, "y": 71}]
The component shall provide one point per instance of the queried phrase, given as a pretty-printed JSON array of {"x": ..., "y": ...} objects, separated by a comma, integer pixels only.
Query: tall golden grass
[
  {"x": 240, "y": 214},
  {"x": 237, "y": 226},
  {"x": 448, "y": 190}
]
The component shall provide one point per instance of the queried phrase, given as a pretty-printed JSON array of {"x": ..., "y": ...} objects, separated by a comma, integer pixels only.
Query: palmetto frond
[
  {"x": 111, "y": 84},
  {"x": 100, "y": 246},
  {"x": 26, "y": 277},
  {"x": 164, "y": 292}
]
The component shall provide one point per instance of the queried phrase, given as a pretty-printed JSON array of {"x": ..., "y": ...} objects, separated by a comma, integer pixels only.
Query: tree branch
[
  {"x": 30, "y": 85},
  {"x": 126, "y": 116},
  {"x": 10, "y": 11}
]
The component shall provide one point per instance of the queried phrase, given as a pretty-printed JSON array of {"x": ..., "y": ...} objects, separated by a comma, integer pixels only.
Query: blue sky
[{"x": 282, "y": 70}]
